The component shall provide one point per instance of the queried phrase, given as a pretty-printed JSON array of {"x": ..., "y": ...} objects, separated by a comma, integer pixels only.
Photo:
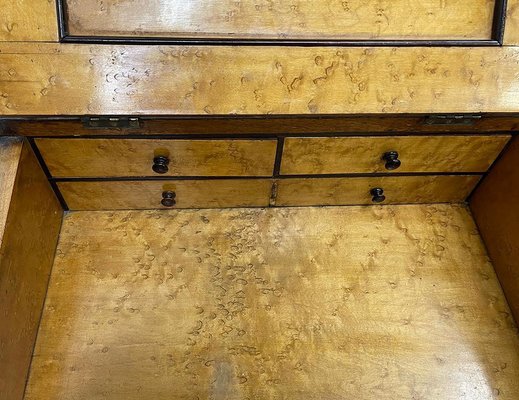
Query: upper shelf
[{"x": 284, "y": 21}]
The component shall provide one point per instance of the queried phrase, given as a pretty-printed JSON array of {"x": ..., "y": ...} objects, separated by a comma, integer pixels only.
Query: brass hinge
[
  {"x": 111, "y": 122},
  {"x": 452, "y": 119}
]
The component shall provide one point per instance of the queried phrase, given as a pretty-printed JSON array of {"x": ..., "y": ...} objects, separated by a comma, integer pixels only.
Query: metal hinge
[
  {"x": 452, "y": 119},
  {"x": 111, "y": 122}
]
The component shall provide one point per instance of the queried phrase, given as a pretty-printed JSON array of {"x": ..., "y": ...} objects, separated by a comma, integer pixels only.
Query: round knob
[
  {"x": 168, "y": 198},
  {"x": 378, "y": 195},
  {"x": 391, "y": 159},
  {"x": 160, "y": 164}
]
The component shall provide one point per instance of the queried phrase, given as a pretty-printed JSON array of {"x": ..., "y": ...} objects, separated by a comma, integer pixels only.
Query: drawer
[
  {"x": 135, "y": 157},
  {"x": 396, "y": 189},
  {"x": 112, "y": 195},
  {"x": 341, "y": 155}
]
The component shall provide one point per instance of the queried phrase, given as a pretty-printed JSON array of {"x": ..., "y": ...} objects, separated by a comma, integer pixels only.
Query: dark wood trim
[
  {"x": 498, "y": 26},
  {"x": 260, "y": 125},
  {"x": 151, "y": 41}
]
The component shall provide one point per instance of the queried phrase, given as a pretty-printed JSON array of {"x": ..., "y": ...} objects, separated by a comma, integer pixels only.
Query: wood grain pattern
[
  {"x": 511, "y": 37},
  {"x": 314, "y": 303},
  {"x": 134, "y": 157},
  {"x": 350, "y": 191},
  {"x": 368, "y": 125},
  {"x": 28, "y": 20},
  {"x": 10, "y": 150},
  {"x": 364, "y": 154},
  {"x": 26, "y": 255},
  {"x": 158, "y": 80},
  {"x": 283, "y": 19},
  {"x": 495, "y": 206},
  {"x": 112, "y": 195}
]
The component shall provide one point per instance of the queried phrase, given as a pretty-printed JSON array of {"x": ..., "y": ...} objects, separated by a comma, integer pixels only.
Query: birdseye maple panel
[
  {"x": 28, "y": 20},
  {"x": 283, "y": 19},
  {"x": 48, "y": 79},
  {"x": 306, "y": 304}
]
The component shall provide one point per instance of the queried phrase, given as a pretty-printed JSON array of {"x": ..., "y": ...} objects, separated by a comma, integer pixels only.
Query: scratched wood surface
[
  {"x": 334, "y": 155},
  {"x": 283, "y": 19},
  {"x": 392, "y": 302},
  {"x": 36, "y": 78},
  {"x": 31, "y": 219},
  {"x": 28, "y": 20},
  {"x": 134, "y": 157}
]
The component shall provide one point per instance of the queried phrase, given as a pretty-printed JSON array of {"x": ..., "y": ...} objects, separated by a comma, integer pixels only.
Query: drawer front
[
  {"x": 352, "y": 191},
  {"x": 341, "y": 155},
  {"x": 113, "y": 195},
  {"x": 135, "y": 157}
]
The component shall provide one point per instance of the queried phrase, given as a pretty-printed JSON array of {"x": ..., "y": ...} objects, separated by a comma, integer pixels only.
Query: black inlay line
[
  {"x": 62, "y": 23},
  {"x": 48, "y": 174},
  {"x": 498, "y": 25},
  {"x": 279, "y": 156},
  {"x": 150, "y": 41},
  {"x": 306, "y": 176},
  {"x": 499, "y": 22}
]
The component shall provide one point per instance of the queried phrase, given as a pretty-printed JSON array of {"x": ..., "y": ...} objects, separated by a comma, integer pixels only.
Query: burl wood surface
[
  {"x": 134, "y": 157},
  {"x": 28, "y": 20},
  {"x": 315, "y": 303},
  {"x": 496, "y": 210},
  {"x": 67, "y": 79},
  {"x": 113, "y": 195},
  {"x": 283, "y": 19},
  {"x": 397, "y": 189},
  {"x": 364, "y": 154},
  {"x": 27, "y": 249}
]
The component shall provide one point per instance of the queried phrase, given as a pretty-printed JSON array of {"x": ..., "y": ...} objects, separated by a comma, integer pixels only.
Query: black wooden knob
[
  {"x": 160, "y": 164},
  {"x": 168, "y": 198},
  {"x": 391, "y": 159},
  {"x": 378, "y": 195}
]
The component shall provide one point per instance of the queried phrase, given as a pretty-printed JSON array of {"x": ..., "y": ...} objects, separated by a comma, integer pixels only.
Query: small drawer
[
  {"x": 392, "y": 190},
  {"x": 218, "y": 193},
  {"x": 161, "y": 157},
  {"x": 431, "y": 154}
]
